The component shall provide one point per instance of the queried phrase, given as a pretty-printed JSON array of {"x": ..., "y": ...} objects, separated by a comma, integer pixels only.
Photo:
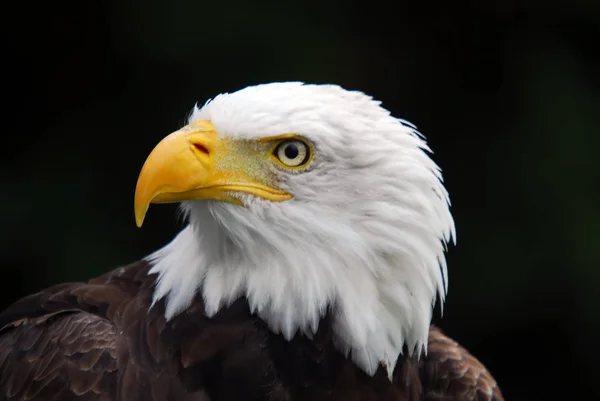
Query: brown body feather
[{"x": 101, "y": 340}]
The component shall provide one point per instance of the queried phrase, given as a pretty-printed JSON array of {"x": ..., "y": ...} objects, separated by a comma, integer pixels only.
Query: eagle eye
[{"x": 292, "y": 153}]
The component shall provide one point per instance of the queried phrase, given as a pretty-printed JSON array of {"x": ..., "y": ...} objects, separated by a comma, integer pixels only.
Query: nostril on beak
[{"x": 201, "y": 148}]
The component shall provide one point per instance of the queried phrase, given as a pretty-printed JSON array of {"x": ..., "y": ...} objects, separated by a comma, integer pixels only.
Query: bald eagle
[{"x": 309, "y": 267}]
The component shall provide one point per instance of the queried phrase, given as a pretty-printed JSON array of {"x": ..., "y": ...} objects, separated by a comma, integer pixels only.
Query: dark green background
[{"x": 506, "y": 91}]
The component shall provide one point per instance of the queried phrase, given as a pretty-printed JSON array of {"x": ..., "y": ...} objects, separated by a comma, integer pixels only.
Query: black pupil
[{"x": 291, "y": 151}]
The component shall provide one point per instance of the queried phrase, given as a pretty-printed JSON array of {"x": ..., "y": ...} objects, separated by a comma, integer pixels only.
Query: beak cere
[{"x": 186, "y": 165}]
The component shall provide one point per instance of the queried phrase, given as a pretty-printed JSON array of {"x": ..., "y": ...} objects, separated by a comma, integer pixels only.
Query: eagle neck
[{"x": 377, "y": 308}]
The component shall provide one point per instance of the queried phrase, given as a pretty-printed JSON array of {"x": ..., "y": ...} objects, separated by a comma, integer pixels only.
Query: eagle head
[{"x": 305, "y": 200}]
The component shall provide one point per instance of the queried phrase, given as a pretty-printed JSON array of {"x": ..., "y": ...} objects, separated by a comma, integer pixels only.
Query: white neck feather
[{"x": 381, "y": 296}]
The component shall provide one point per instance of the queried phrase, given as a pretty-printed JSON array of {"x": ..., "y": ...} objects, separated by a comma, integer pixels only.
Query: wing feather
[
  {"x": 450, "y": 372},
  {"x": 65, "y": 356}
]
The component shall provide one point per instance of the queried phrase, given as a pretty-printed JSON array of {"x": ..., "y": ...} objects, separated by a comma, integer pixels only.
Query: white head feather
[{"x": 363, "y": 236}]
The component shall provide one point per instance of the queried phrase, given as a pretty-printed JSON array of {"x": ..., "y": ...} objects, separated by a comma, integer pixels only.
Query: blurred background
[{"x": 507, "y": 92}]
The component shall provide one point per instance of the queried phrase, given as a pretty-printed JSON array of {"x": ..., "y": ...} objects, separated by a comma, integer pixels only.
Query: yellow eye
[{"x": 292, "y": 153}]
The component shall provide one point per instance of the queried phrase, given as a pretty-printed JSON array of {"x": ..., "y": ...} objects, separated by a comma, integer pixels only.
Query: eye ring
[{"x": 292, "y": 153}]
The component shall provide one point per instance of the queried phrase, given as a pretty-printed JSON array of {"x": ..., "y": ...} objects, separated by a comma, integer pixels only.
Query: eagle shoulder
[
  {"x": 450, "y": 373},
  {"x": 89, "y": 341},
  {"x": 66, "y": 355}
]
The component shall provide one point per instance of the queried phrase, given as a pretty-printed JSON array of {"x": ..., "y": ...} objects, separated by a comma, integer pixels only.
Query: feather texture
[{"x": 101, "y": 341}]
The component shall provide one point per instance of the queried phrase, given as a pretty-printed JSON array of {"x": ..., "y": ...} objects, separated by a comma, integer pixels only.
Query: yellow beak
[{"x": 193, "y": 163}]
